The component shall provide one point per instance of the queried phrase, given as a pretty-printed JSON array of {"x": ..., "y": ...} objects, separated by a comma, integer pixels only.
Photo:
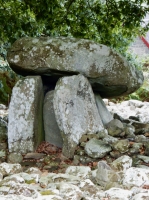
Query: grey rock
[
  {"x": 135, "y": 177},
  {"x": 105, "y": 115},
  {"x": 129, "y": 130},
  {"x": 84, "y": 172},
  {"x": 14, "y": 158},
  {"x": 25, "y": 127},
  {"x": 52, "y": 131},
  {"x": 141, "y": 196},
  {"x": 116, "y": 116},
  {"x": 85, "y": 160},
  {"x": 75, "y": 110},
  {"x": 144, "y": 158},
  {"x": 122, "y": 164},
  {"x": 141, "y": 131},
  {"x": 141, "y": 139},
  {"x": 34, "y": 156},
  {"x": 17, "y": 189},
  {"x": 109, "y": 139},
  {"x": 30, "y": 178},
  {"x": 70, "y": 191},
  {"x": 65, "y": 178},
  {"x": 76, "y": 183},
  {"x": 109, "y": 73},
  {"x": 33, "y": 170},
  {"x": 121, "y": 145},
  {"x": 97, "y": 148},
  {"x": 8, "y": 169},
  {"x": 136, "y": 161},
  {"x": 136, "y": 103},
  {"x": 139, "y": 125},
  {"x": 18, "y": 197},
  {"x": 115, "y": 154},
  {"x": 117, "y": 194},
  {"x": 105, "y": 174},
  {"x": 135, "y": 148},
  {"x": 136, "y": 118},
  {"x": 115, "y": 127},
  {"x": 143, "y": 166},
  {"x": 76, "y": 160},
  {"x": 88, "y": 188}
]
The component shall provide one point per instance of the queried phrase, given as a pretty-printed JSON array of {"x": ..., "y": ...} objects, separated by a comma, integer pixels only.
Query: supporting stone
[
  {"x": 25, "y": 127},
  {"x": 75, "y": 110},
  {"x": 105, "y": 115},
  {"x": 52, "y": 131}
]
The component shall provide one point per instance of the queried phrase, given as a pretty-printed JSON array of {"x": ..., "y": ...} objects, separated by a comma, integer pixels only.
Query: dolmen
[{"x": 59, "y": 98}]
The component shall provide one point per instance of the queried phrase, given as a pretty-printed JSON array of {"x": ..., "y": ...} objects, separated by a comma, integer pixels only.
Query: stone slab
[{"x": 25, "y": 127}]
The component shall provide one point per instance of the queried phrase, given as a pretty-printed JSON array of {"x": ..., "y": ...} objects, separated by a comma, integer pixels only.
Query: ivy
[{"x": 111, "y": 22}]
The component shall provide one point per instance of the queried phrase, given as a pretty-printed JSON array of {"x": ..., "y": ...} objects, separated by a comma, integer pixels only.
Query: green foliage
[
  {"x": 7, "y": 80},
  {"x": 141, "y": 94},
  {"x": 145, "y": 63},
  {"x": 110, "y": 22},
  {"x": 133, "y": 60}
]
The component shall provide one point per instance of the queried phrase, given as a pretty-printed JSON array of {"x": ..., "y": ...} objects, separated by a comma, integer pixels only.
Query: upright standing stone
[
  {"x": 76, "y": 111},
  {"x": 52, "y": 131},
  {"x": 25, "y": 127},
  {"x": 105, "y": 115}
]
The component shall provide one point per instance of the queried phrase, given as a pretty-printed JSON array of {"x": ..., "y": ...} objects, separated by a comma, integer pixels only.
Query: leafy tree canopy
[{"x": 110, "y": 22}]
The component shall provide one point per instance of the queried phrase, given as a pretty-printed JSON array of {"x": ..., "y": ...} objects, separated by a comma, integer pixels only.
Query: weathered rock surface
[
  {"x": 108, "y": 72},
  {"x": 77, "y": 182},
  {"x": 52, "y": 131},
  {"x": 25, "y": 127},
  {"x": 104, "y": 113},
  {"x": 76, "y": 111},
  {"x": 105, "y": 175},
  {"x": 97, "y": 148},
  {"x": 122, "y": 163},
  {"x": 115, "y": 127},
  {"x": 136, "y": 177},
  {"x": 126, "y": 109},
  {"x": 121, "y": 145}
]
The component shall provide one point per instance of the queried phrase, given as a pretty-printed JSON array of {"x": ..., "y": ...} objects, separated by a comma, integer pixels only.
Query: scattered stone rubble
[
  {"x": 119, "y": 180},
  {"x": 122, "y": 170}
]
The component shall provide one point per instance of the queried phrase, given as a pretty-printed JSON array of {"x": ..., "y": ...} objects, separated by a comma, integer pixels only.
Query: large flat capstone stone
[
  {"x": 75, "y": 110},
  {"x": 25, "y": 127},
  {"x": 109, "y": 73}
]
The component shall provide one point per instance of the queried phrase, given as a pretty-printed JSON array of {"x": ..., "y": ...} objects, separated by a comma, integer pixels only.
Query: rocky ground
[{"x": 108, "y": 166}]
